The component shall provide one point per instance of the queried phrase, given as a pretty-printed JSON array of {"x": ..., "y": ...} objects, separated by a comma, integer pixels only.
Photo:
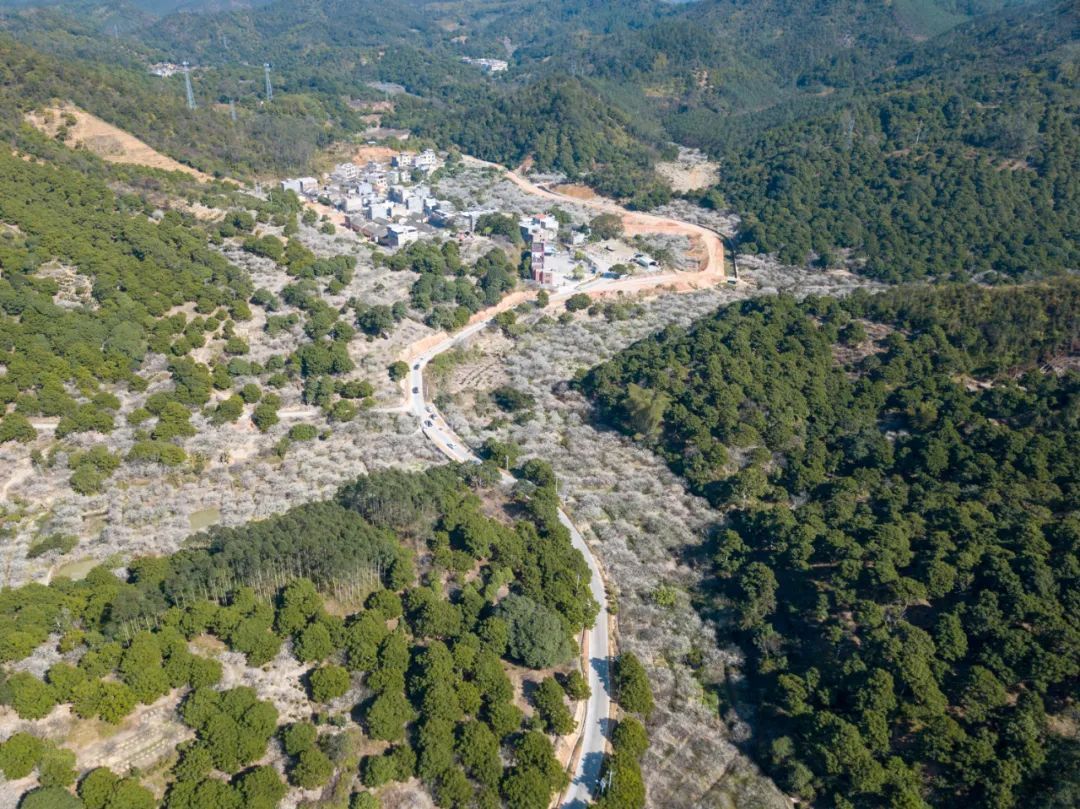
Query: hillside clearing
[{"x": 105, "y": 140}]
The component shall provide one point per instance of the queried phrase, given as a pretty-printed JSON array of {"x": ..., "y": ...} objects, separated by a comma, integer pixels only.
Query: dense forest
[
  {"x": 421, "y": 641},
  {"x": 559, "y": 122},
  {"x": 958, "y": 161},
  {"x": 899, "y": 551}
]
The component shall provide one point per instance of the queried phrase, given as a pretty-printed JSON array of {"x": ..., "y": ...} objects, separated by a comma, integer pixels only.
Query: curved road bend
[
  {"x": 598, "y": 709},
  {"x": 712, "y": 267}
]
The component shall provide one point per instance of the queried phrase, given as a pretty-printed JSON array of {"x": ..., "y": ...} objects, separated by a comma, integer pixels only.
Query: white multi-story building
[
  {"x": 379, "y": 210},
  {"x": 540, "y": 227},
  {"x": 487, "y": 65},
  {"x": 427, "y": 161},
  {"x": 345, "y": 173},
  {"x": 398, "y": 235}
]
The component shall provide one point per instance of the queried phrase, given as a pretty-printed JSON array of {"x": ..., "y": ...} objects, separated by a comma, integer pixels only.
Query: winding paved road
[
  {"x": 598, "y": 709},
  {"x": 597, "y": 723}
]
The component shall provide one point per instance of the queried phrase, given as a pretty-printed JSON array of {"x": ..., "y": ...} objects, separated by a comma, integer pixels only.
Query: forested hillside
[
  {"x": 405, "y": 679},
  {"x": 959, "y": 160},
  {"x": 65, "y": 360},
  {"x": 72, "y": 63},
  {"x": 899, "y": 554},
  {"x": 558, "y": 122},
  {"x": 103, "y": 297}
]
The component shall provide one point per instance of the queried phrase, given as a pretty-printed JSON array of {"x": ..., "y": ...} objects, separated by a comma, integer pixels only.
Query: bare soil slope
[{"x": 105, "y": 140}]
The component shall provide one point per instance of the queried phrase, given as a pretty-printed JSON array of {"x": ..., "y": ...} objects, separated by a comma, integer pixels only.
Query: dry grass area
[
  {"x": 576, "y": 191},
  {"x": 408, "y": 795},
  {"x": 691, "y": 171},
  {"x": 277, "y": 682},
  {"x": 875, "y": 334},
  {"x": 379, "y": 154},
  {"x": 1015, "y": 164},
  {"x": 105, "y": 140},
  {"x": 148, "y": 734}
]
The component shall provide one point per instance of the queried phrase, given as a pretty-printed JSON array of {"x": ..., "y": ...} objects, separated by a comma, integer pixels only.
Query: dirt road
[{"x": 711, "y": 269}]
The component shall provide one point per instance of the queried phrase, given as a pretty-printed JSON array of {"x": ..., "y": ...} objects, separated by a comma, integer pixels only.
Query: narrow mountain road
[{"x": 598, "y": 709}]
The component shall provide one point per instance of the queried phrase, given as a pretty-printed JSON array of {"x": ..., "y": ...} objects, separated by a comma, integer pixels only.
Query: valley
[{"x": 500, "y": 405}]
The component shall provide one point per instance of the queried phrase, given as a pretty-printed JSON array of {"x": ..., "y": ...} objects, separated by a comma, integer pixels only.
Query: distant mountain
[
  {"x": 559, "y": 122},
  {"x": 849, "y": 131},
  {"x": 954, "y": 159},
  {"x": 156, "y": 7}
]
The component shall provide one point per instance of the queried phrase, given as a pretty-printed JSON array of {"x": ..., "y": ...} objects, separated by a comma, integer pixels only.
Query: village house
[
  {"x": 487, "y": 65},
  {"x": 345, "y": 173},
  {"x": 539, "y": 227},
  {"x": 399, "y": 235},
  {"x": 301, "y": 185}
]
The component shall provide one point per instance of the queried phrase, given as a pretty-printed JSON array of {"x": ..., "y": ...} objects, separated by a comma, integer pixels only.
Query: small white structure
[
  {"x": 541, "y": 227},
  {"x": 487, "y": 65},
  {"x": 379, "y": 210},
  {"x": 427, "y": 161},
  {"x": 301, "y": 185},
  {"x": 400, "y": 235},
  {"x": 164, "y": 70}
]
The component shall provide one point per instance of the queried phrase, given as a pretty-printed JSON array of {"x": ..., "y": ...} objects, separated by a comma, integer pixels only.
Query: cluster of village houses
[{"x": 392, "y": 205}]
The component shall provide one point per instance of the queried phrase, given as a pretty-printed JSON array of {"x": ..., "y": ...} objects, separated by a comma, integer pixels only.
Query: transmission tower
[
  {"x": 187, "y": 87},
  {"x": 232, "y": 109},
  {"x": 269, "y": 86}
]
